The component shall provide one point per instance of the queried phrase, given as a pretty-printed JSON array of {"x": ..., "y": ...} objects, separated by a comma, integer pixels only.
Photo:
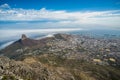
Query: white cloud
[
  {"x": 61, "y": 17},
  {"x": 16, "y": 33},
  {"x": 6, "y": 44},
  {"x": 4, "y": 6}
]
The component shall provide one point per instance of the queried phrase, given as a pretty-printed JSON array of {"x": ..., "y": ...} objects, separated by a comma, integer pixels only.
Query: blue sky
[
  {"x": 30, "y": 14},
  {"x": 39, "y": 14},
  {"x": 69, "y": 5}
]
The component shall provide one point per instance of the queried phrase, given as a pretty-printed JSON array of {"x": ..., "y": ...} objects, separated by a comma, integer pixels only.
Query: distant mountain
[{"x": 10, "y": 50}]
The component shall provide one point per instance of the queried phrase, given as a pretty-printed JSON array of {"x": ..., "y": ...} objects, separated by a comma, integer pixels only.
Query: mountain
[
  {"x": 61, "y": 57},
  {"x": 25, "y": 42}
]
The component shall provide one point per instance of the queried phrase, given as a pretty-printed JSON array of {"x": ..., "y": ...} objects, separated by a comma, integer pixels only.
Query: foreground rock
[{"x": 30, "y": 69}]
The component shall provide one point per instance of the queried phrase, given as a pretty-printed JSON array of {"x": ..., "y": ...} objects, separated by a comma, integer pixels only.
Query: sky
[
  {"x": 37, "y": 14},
  {"x": 55, "y": 15}
]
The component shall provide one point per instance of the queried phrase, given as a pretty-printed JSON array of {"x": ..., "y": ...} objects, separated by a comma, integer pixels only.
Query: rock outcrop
[
  {"x": 23, "y": 37},
  {"x": 30, "y": 69}
]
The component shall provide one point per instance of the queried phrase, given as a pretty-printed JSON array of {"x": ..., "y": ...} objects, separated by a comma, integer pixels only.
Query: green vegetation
[{"x": 8, "y": 77}]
